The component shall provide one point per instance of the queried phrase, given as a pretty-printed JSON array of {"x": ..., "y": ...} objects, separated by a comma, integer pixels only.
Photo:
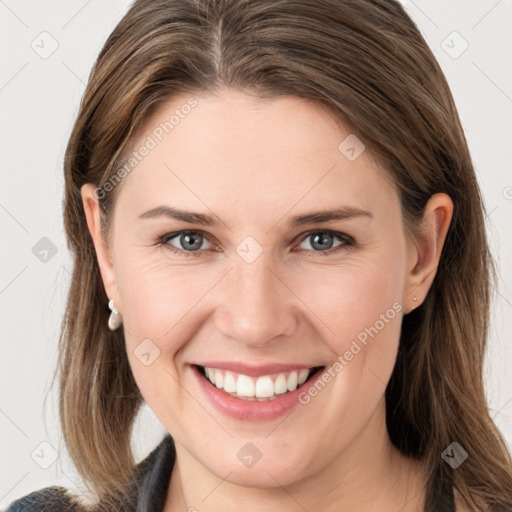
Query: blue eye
[
  {"x": 320, "y": 239},
  {"x": 191, "y": 242}
]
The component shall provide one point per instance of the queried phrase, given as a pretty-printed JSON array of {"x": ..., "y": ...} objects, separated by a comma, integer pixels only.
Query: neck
[{"x": 370, "y": 475}]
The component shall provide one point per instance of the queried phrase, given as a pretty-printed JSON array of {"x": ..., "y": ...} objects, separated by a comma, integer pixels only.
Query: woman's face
[{"x": 256, "y": 287}]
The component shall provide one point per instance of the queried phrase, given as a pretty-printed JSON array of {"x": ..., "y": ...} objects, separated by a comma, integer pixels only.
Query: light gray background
[{"x": 39, "y": 100}]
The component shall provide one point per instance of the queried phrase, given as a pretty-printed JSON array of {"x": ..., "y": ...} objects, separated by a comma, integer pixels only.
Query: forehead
[{"x": 251, "y": 155}]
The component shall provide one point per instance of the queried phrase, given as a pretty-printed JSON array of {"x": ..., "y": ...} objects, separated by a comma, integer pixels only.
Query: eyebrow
[
  {"x": 342, "y": 213},
  {"x": 184, "y": 215}
]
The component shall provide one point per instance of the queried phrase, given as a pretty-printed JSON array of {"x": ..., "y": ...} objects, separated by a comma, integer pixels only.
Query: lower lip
[{"x": 252, "y": 410}]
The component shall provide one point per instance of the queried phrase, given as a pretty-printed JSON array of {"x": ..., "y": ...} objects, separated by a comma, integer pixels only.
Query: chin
[{"x": 272, "y": 469}]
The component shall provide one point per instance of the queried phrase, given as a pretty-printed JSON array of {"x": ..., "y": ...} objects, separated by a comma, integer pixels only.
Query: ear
[
  {"x": 92, "y": 214},
  {"x": 425, "y": 251}
]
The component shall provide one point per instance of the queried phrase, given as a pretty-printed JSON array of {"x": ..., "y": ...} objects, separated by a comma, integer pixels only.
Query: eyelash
[{"x": 348, "y": 242}]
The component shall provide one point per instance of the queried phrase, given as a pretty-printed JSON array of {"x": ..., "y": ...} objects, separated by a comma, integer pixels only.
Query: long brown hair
[{"x": 366, "y": 61}]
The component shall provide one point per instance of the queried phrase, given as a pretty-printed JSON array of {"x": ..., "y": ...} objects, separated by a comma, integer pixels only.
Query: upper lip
[{"x": 255, "y": 370}]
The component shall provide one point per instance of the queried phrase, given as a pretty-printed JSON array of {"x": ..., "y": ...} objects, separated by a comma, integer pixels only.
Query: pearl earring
[{"x": 115, "y": 319}]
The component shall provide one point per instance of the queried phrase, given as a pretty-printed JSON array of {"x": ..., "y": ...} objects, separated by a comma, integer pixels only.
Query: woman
[{"x": 279, "y": 246}]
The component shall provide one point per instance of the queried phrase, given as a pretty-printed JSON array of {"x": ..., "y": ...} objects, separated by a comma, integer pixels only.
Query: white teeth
[
  {"x": 263, "y": 387},
  {"x": 219, "y": 379},
  {"x": 229, "y": 382},
  {"x": 280, "y": 385},
  {"x": 303, "y": 375},
  {"x": 292, "y": 381},
  {"x": 244, "y": 386}
]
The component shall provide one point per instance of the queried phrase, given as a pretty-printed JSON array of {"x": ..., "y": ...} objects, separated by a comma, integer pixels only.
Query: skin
[{"x": 254, "y": 163}]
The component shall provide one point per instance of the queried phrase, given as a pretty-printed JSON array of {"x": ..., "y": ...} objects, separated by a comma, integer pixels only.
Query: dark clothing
[{"x": 153, "y": 475}]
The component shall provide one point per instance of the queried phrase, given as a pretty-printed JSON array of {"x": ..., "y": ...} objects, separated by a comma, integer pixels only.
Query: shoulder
[
  {"x": 49, "y": 499},
  {"x": 152, "y": 476}
]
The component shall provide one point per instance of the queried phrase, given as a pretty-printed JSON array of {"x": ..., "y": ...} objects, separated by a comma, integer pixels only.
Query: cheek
[
  {"x": 359, "y": 315},
  {"x": 345, "y": 301},
  {"x": 156, "y": 295},
  {"x": 358, "y": 302},
  {"x": 156, "y": 301}
]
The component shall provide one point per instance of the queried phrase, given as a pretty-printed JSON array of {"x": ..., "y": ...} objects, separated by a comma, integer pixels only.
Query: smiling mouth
[{"x": 263, "y": 388}]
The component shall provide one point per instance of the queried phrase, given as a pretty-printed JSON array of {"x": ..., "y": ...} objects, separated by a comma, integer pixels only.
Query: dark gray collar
[{"x": 153, "y": 476}]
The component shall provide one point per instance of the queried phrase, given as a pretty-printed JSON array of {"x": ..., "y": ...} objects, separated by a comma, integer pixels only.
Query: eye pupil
[
  {"x": 185, "y": 239},
  {"x": 191, "y": 242},
  {"x": 319, "y": 239}
]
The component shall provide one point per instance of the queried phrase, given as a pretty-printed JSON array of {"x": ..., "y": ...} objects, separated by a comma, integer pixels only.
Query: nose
[{"x": 258, "y": 306}]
